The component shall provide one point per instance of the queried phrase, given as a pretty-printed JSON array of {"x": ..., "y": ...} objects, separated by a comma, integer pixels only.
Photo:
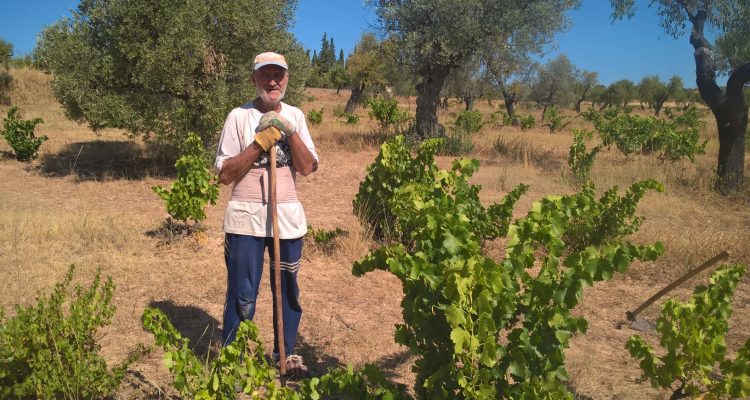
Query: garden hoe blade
[{"x": 641, "y": 324}]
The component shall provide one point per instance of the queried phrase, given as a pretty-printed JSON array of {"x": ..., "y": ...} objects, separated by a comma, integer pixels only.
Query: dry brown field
[{"x": 87, "y": 200}]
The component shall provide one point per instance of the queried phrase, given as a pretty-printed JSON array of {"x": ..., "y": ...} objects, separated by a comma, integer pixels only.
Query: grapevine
[{"x": 483, "y": 329}]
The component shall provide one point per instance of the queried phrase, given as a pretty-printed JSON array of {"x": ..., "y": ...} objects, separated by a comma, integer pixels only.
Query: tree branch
[{"x": 704, "y": 68}]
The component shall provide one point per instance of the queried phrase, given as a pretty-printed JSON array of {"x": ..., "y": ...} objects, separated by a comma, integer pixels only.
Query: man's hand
[
  {"x": 272, "y": 118},
  {"x": 266, "y": 138}
]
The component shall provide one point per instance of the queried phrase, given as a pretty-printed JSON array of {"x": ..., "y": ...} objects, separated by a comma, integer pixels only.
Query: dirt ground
[{"x": 87, "y": 200}]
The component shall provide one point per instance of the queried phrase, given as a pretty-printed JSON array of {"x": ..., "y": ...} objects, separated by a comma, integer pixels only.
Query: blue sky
[{"x": 629, "y": 49}]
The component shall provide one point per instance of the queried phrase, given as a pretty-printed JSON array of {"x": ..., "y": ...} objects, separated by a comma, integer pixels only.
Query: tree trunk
[
  {"x": 657, "y": 108},
  {"x": 729, "y": 109},
  {"x": 510, "y": 106},
  {"x": 355, "y": 98},
  {"x": 428, "y": 96},
  {"x": 469, "y": 102},
  {"x": 732, "y": 129},
  {"x": 583, "y": 98}
]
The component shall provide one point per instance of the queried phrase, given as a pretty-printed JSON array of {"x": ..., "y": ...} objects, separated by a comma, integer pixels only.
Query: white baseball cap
[{"x": 269, "y": 58}]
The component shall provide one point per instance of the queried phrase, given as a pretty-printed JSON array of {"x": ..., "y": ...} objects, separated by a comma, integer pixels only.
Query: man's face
[{"x": 270, "y": 83}]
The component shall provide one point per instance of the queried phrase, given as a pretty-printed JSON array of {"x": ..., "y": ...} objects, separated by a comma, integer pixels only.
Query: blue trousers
[{"x": 243, "y": 255}]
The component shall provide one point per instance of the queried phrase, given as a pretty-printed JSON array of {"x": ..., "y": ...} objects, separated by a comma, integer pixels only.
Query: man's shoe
[{"x": 295, "y": 366}]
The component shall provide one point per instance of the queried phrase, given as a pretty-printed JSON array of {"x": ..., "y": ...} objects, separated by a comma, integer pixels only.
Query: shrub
[
  {"x": 579, "y": 160},
  {"x": 469, "y": 121},
  {"x": 242, "y": 365},
  {"x": 325, "y": 239},
  {"x": 393, "y": 167},
  {"x": 527, "y": 122},
  {"x": 48, "y": 353},
  {"x": 672, "y": 139},
  {"x": 195, "y": 187},
  {"x": 693, "y": 335},
  {"x": 315, "y": 116},
  {"x": 376, "y": 202},
  {"x": 500, "y": 118},
  {"x": 555, "y": 121},
  {"x": 486, "y": 329},
  {"x": 390, "y": 118},
  {"x": 608, "y": 220},
  {"x": 350, "y": 118},
  {"x": 20, "y": 135}
]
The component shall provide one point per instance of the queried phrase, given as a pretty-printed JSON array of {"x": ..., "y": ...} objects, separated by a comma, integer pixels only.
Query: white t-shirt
[{"x": 252, "y": 217}]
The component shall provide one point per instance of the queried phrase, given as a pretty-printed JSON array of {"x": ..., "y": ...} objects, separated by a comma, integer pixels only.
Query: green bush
[
  {"x": 242, "y": 365},
  {"x": 555, "y": 121},
  {"x": 350, "y": 118},
  {"x": 671, "y": 139},
  {"x": 195, "y": 187},
  {"x": 47, "y": 352},
  {"x": 393, "y": 167},
  {"x": 527, "y": 122},
  {"x": 579, "y": 160},
  {"x": 390, "y": 118},
  {"x": 481, "y": 328},
  {"x": 20, "y": 135},
  {"x": 375, "y": 203},
  {"x": 315, "y": 116},
  {"x": 693, "y": 335},
  {"x": 500, "y": 118},
  {"x": 608, "y": 220},
  {"x": 469, "y": 121},
  {"x": 325, "y": 239}
]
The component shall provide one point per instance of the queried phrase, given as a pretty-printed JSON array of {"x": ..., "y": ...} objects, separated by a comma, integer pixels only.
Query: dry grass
[{"x": 87, "y": 201}]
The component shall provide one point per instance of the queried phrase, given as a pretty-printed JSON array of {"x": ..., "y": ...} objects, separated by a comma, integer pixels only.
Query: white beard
[{"x": 263, "y": 95}]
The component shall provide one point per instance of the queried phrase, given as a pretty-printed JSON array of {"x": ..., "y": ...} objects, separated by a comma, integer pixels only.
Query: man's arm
[
  {"x": 304, "y": 162},
  {"x": 236, "y": 167},
  {"x": 303, "y": 159}
]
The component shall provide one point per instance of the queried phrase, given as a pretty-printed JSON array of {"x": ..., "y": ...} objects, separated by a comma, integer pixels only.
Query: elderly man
[{"x": 242, "y": 160}]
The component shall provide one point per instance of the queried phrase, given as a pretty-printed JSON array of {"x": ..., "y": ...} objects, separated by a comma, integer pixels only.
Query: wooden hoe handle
[
  {"x": 713, "y": 260},
  {"x": 276, "y": 261}
]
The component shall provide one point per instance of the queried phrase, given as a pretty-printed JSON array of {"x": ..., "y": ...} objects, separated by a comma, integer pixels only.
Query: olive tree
[
  {"x": 655, "y": 92},
  {"x": 729, "y": 54},
  {"x": 619, "y": 94},
  {"x": 467, "y": 82},
  {"x": 6, "y": 80},
  {"x": 6, "y": 53},
  {"x": 583, "y": 86},
  {"x": 554, "y": 84},
  {"x": 339, "y": 78},
  {"x": 366, "y": 69},
  {"x": 441, "y": 34},
  {"x": 164, "y": 69},
  {"x": 512, "y": 72}
]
